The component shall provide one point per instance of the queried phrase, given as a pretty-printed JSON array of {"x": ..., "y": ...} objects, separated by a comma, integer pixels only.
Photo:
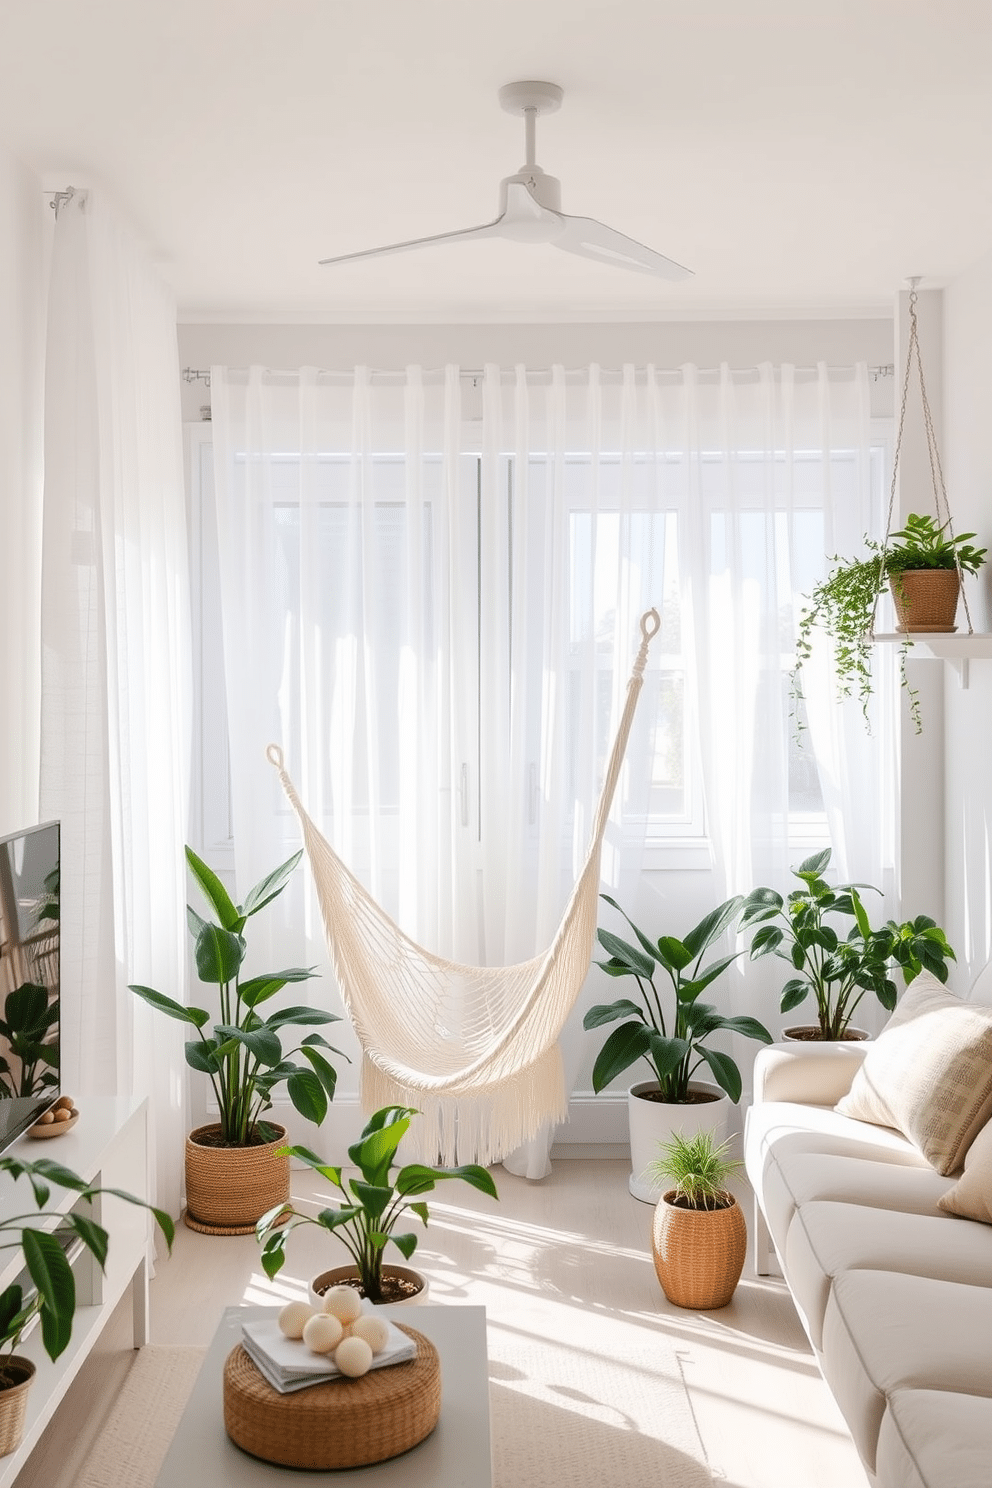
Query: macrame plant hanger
[
  {"x": 473, "y": 1048},
  {"x": 943, "y": 511}
]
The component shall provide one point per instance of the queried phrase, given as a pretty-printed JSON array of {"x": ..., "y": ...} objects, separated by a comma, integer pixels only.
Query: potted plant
[
  {"x": 838, "y": 969},
  {"x": 922, "y": 557},
  {"x": 698, "y": 1237},
  {"x": 673, "y": 1046},
  {"x": 234, "y": 1170},
  {"x": 373, "y": 1204},
  {"x": 53, "y": 1299}
]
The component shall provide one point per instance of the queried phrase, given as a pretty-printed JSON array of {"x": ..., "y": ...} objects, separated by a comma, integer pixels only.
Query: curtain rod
[{"x": 199, "y": 374}]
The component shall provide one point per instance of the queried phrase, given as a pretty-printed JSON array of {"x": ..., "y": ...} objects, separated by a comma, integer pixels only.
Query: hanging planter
[{"x": 922, "y": 565}]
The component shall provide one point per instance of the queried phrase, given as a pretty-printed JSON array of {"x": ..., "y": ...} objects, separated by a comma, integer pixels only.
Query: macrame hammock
[{"x": 473, "y": 1048}]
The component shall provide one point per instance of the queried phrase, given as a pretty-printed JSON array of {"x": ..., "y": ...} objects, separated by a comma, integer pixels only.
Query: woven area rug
[{"x": 586, "y": 1415}]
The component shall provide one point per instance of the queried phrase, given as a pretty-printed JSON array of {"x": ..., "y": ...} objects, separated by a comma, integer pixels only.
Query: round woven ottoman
[{"x": 344, "y": 1423}]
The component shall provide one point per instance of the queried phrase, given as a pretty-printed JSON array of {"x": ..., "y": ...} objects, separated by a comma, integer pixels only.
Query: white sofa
[{"x": 895, "y": 1293}]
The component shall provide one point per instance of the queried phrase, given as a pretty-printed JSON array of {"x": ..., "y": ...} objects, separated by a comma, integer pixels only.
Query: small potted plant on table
[
  {"x": 673, "y": 1045},
  {"x": 366, "y": 1221},
  {"x": 235, "y": 1169},
  {"x": 699, "y": 1238}
]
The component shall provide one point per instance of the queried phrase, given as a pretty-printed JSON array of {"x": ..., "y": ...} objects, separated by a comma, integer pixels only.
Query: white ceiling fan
[{"x": 530, "y": 207}]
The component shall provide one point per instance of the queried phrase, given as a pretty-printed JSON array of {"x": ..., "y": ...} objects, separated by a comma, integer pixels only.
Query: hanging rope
[{"x": 942, "y": 508}]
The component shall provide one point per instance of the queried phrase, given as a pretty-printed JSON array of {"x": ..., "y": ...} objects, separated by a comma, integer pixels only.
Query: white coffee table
[{"x": 456, "y": 1454}]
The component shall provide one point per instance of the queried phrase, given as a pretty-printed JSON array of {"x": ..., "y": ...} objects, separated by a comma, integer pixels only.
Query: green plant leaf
[
  {"x": 308, "y": 1017},
  {"x": 725, "y": 1072},
  {"x": 760, "y": 904},
  {"x": 748, "y": 1027},
  {"x": 374, "y": 1151},
  {"x": 214, "y": 892},
  {"x": 219, "y": 954},
  {"x": 703, "y": 980},
  {"x": 52, "y": 1275},
  {"x": 194, "y": 1015},
  {"x": 261, "y": 988},
  {"x": 636, "y": 961},
  {"x": 308, "y": 1095},
  {"x": 406, "y": 1244},
  {"x": 766, "y": 941},
  {"x": 609, "y": 1013},
  {"x": 674, "y": 956},
  {"x": 261, "y": 1042},
  {"x": 793, "y": 993},
  {"x": 643, "y": 939},
  {"x": 373, "y": 1198},
  {"x": 667, "y": 1053},
  {"x": 713, "y": 925},
  {"x": 322, "y": 1068},
  {"x": 624, "y": 1046},
  {"x": 815, "y": 865},
  {"x": 272, "y": 884}
]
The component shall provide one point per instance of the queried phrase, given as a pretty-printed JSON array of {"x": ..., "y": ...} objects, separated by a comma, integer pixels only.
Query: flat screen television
[{"x": 30, "y": 1066}]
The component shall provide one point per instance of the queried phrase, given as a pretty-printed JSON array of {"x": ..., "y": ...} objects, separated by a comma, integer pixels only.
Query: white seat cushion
[
  {"x": 827, "y": 1239},
  {"x": 932, "y": 1439},
  {"x": 884, "y": 1332}
]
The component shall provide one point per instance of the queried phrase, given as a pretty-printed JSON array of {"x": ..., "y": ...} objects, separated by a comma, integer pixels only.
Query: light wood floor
[{"x": 765, "y": 1417}]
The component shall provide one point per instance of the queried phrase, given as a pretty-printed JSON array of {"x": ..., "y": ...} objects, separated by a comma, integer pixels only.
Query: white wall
[
  {"x": 21, "y": 456},
  {"x": 968, "y": 712}
]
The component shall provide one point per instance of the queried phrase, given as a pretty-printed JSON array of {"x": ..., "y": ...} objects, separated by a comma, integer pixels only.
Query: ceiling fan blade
[
  {"x": 486, "y": 230},
  {"x": 591, "y": 239}
]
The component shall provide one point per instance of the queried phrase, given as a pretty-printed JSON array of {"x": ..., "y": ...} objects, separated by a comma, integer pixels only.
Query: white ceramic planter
[
  {"x": 809, "y": 1033},
  {"x": 653, "y": 1122}
]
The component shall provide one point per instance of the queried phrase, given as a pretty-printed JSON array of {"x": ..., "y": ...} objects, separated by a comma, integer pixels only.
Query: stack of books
[{"x": 289, "y": 1365}]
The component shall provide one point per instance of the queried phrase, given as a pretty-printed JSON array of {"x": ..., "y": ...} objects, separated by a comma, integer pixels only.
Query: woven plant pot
[
  {"x": 228, "y": 1189},
  {"x": 926, "y": 599},
  {"x": 698, "y": 1253},
  {"x": 14, "y": 1402}
]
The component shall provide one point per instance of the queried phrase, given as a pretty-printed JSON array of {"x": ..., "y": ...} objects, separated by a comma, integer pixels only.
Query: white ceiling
[{"x": 802, "y": 156}]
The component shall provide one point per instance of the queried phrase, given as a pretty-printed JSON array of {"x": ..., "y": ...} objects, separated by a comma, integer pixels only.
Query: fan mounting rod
[{"x": 530, "y": 99}]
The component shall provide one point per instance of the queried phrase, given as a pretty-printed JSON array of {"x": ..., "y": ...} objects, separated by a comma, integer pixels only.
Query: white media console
[{"x": 108, "y": 1147}]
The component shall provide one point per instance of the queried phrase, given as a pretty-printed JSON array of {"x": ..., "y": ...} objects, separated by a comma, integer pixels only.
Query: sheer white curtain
[
  {"x": 116, "y": 694},
  {"x": 431, "y": 584}
]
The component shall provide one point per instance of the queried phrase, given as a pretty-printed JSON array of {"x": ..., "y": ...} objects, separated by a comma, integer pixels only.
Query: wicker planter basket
[
  {"x": 14, "y": 1402},
  {"x": 349, "y": 1423},
  {"x": 698, "y": 1253},
  {"x": 926, "y": 599},
  {"x": 228, "y": 1189}
]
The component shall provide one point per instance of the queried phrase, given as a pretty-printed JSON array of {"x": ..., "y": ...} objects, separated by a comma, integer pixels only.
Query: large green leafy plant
[
  {"x": 243, "y": 1054},
  {"x": 373, "y": 1203},
  {"x": 824, "y": 932},
  {"x": 52, "y": 1298},
  {"x": 672, "y": 1043},
  {"x": 698, "y": 1168},
  {"x": 843, "y": 604}
]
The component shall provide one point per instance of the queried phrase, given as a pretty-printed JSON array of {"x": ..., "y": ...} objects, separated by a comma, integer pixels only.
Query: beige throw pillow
[
  {"x": 929, "y": 1073},
  {"x": 971, "y": 1196}
]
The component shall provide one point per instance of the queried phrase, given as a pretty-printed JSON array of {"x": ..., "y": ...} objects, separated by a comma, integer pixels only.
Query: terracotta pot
[
  {"x": 698, "y": 1253},
  {"x": 341, "y": 1275},
  {"x": 228, "y": 1189},
  {"x": 653, "y": 1122},
  {"x": 809, "y": 1033},
  {"x": 14, "y": 1402},
  {"x": 926, "y": 599}
]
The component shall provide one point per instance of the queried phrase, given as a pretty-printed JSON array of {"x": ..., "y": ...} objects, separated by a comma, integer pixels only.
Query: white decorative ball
[
  {"x": 353, "y": 1357},
  {"x": 373, "y": 1329},
  {"x": 344, "y": 1303},
  {"x": 293, "y": 1317},
  {"x": 322, "y": 1333}
]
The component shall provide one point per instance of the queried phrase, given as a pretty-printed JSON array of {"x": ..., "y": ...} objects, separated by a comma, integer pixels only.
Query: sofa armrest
[{"x": 814, "y": 1074}]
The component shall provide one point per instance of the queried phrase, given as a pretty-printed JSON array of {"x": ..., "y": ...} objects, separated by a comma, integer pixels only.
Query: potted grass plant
[
  {"x": 669, "y": 1032},
  {"x": 823, "y": 931},
  {"x": 47, "y": 1292},
  {"x": 235, "y": 1170},
  {"x": 921, "y": 565},
  {"x": 372, "y": 1206},
  {"x": 699, "y": 1237}
]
